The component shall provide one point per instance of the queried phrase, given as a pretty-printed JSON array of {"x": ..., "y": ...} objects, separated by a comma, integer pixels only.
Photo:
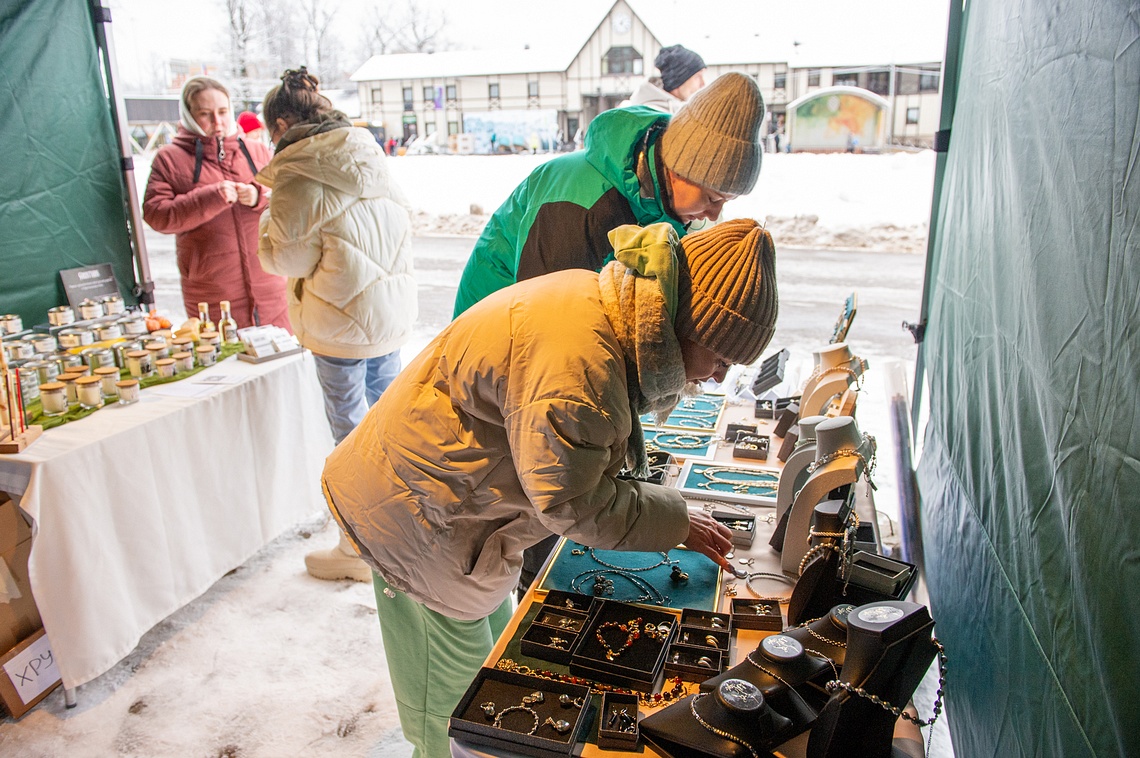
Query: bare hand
[
  {"x": 246, "y": 194},
  {"x": 228, "y": 190},
  {"x": 709, "y": 537}
]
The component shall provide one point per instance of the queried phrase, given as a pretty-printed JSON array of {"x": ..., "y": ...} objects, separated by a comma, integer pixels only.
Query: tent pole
[
  {"x": 950, "y": 73},
  {"x": 144, "y": 287}
]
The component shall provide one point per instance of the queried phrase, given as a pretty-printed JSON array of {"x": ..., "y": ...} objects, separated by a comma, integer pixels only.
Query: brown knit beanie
[
  {"x": 727, "y": 300},
  {"x": 714, "y": 140}
]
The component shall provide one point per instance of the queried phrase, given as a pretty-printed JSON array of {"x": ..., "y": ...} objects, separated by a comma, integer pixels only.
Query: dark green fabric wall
[
  {"x": 1030, "y": 473},
  {"x": 61, "y": 199}
]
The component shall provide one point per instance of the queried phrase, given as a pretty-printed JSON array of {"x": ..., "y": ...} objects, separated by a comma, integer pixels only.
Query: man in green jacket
[{"x": 639, "y": 167}]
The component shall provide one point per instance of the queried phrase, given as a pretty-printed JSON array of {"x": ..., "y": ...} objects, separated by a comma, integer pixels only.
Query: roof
[
  {"x": 461, "y": 63},
  {"x": 803, "y": 34}
]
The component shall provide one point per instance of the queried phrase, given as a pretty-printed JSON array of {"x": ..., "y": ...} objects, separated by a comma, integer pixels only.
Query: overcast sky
[{"x": 899, "y": 31}]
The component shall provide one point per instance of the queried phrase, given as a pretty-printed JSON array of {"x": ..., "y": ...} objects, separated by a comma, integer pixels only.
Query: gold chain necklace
[{"x": 765, "y": 483}]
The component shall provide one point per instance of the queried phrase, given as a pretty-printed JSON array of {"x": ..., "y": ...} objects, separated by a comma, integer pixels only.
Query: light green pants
[{"x": 432, "y": 659}]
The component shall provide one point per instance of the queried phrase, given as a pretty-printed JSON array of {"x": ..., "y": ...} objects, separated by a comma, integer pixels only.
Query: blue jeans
[{"x": 351, "y": 386}]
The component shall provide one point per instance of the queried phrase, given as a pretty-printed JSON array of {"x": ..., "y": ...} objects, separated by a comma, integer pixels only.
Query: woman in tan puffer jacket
[{"x": 339, "y": 228}]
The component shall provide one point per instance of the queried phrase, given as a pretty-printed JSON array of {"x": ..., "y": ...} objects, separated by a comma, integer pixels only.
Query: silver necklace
[
  {"x": 719, "y": 732},
  {"x": 665, "y": 561}
]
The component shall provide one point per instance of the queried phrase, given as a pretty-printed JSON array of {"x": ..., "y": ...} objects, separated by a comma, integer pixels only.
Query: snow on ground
[
  {"x": 876, "y": 202},
  {"x": 873, "y": 202}
]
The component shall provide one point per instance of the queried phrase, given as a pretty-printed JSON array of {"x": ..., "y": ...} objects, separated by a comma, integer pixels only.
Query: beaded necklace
[
  {"x": 868, "y": 465},
  {"x": 649, "y": 700},
  {"x": 649, "y": 593},
  {"x": 666, "y": 441}
]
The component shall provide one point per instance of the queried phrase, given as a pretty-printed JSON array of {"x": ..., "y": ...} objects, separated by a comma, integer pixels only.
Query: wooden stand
[{"x": 10, "y": 444}]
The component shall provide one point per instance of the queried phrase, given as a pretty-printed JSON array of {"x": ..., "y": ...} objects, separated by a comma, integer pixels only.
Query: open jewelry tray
[
  {"x": 681, "y": 443},
  {"x": 470, "y": 723},
  {"x": 701, "y": 413},
  {"x": 764, "y": 480},
  {"x": 702, "y": 590},
  {"x": 637, "y": 659}
]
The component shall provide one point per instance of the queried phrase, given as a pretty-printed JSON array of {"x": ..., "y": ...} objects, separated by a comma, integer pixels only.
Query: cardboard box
[{"x": 19, "y": 618}]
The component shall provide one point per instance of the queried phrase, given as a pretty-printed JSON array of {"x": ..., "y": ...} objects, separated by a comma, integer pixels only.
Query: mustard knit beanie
[
  {"x": 714, "y": 140},
  {"x": 727, "y": 299}
]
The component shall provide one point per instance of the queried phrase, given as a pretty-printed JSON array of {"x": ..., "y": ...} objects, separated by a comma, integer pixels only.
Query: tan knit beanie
[
  {"x": 714, "y": 140},
  {"x": 727, "y": 300}
]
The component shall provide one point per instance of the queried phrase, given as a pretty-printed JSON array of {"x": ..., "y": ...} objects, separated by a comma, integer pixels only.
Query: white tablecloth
[{"x": 139, "y": 509}]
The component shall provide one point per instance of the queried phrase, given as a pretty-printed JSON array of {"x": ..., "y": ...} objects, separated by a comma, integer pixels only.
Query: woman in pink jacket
[{"x": 201, "y": 189}]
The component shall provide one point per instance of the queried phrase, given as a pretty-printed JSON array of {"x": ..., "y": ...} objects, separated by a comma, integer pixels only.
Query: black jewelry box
[
  {"x": 732, "y": 432},
  {"x": 611, "y": 736},
  {"x": 548, "y": 643},
  {"x": 759, "y": 615},
  {"x": 753, "y": 447},
  {"x": 788, "y": 416},
  {"x": 702, "y": 636},
  {"x": 706, "y": 619},
  {"x": 635, "y": 665},
  {"x": 561, "y": 619},
  {"x": 771, "y": 372},
  {"x": 563, "y": 600},
  {"x": 770, "y": 409},
  {"x": 742, "y": 526},
  {"x": 469, "y": 723},
  {"x": 693, "y": 663},
  {"x": 791, "y": 439}
]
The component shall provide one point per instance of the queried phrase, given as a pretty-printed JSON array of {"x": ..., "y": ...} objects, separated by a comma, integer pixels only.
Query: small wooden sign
[{"x": 29, "y": 674}]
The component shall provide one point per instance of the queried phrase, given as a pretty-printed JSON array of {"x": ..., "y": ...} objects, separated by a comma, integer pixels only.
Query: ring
[
  {"x": 711, "y": 641},
  {"x": 705, "y": 661},
  {"x": 717, "y": 622}
]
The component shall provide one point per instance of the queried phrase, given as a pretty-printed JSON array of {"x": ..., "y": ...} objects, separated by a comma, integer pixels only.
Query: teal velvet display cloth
[{"x": 700, "y": 592}]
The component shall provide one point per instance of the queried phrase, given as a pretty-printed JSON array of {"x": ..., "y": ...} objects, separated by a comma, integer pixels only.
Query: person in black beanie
[{"x": 682, "y": 75}]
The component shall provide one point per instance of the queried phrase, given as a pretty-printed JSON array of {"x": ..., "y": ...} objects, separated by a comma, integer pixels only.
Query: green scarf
[{"x": 639, "y": 294}]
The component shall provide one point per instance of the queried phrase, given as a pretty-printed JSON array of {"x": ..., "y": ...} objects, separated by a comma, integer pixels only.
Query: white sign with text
[{"x": 33, "y": 670}]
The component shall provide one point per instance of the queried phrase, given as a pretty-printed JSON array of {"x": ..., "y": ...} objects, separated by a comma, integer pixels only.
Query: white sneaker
[{"x": 339, "y": 562}]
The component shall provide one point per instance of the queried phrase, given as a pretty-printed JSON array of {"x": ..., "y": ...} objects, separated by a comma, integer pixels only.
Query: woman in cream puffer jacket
[{"x": 339, "y": 227}]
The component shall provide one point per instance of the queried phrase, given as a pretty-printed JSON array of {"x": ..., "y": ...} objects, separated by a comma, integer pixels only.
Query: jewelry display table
[
  {"x": 139, "y": 509},
  {"x": 759, "y": 557}
]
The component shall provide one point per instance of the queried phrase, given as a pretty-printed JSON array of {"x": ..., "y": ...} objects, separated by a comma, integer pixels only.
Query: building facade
[{"x": 411, "y": 95}]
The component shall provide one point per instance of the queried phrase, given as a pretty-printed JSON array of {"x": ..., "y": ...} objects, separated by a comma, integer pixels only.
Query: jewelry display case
[
  {"x": 624, "y": 644},
  {"x": 700, "y": 412},
  {"x": 522, "y": 714},
  {"x": 733, "y": 482}
]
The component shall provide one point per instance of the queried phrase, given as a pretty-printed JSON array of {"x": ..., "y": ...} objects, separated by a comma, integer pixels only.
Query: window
[
  {"x": 911, "y": 116},
  {"x": 846, "y": 80},
  {"x": 453, "y": 127},
  {"x": 407, "y": 98},
  {"x": 429, "y": 94},
  {"x": 813, "y": 77},
  {"x": 493, "y": 91},
  {"x": 879, "y": 82},
  {"x": 532, "y": 89},
  {"x": 377, "y": 96},
  {"x": 928, "y": 82},
  {"x": 622, "y": 60},
  {"x": 781, "y": 80},
  {"x": 451, "y": 92}
]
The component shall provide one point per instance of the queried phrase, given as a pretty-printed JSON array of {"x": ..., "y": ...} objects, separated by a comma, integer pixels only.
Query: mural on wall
[{"x": 836, "y": 120}]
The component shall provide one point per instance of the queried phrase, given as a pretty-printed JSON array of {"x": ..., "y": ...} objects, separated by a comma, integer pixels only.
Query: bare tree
[
  {"x": 413, "y": 29},
  {"x": 281, "y": 36},
  {"x": 319, "y": 16},
  {"x": 240, "y": 15},
  {"x": 378, "y": 35},
  {"x": 422, "y": 29}
]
